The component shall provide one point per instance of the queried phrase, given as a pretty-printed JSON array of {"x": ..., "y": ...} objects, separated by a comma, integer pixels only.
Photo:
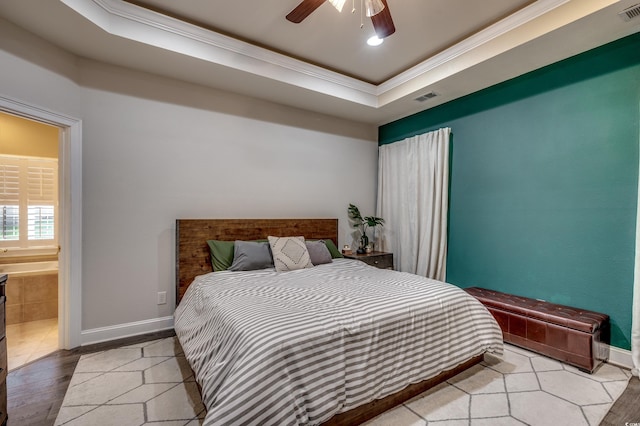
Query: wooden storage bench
[{"x": 575, "y": 336}]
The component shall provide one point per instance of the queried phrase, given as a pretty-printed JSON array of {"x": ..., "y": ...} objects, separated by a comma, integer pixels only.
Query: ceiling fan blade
[
  {"x": 382, "y": 22},
  {"x": 303, "y": 10}
]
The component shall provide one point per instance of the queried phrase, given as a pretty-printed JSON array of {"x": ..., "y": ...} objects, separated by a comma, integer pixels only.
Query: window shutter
[
  {"x": 9, "y": 183},
  {"x": 28, "y": 201},
  {"x": 41, "y": 178},
  {"x": 41, "y": 198},
  {"x": 9, "y": 200}
]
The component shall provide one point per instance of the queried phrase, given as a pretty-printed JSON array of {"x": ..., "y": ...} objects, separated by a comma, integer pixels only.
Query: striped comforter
[{"x": 299, "y": 347}]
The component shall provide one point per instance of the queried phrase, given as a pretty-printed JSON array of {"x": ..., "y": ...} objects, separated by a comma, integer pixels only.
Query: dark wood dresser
[
  {"x": 379, "y": 259},
  {"x": 3, "y": 352}
]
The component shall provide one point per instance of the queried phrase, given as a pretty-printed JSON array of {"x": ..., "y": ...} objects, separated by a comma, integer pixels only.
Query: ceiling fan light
[
  {"x": 373, "y": 7},
  {"x": 338, "y": 4},
  {"x": 375, "y": 41}
]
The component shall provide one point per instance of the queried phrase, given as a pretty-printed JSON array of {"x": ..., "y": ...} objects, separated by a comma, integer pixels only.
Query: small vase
[{"x": 364, "y": 241}]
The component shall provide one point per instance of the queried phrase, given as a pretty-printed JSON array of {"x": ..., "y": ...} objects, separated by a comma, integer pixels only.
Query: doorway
[
  {"x": 70, "y": 214},
  {"x": 29, "y": 236}
]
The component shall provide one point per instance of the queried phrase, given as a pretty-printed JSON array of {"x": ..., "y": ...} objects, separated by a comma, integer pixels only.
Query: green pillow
[
  {"x": 335, "y": 253},
  {"x": 221, "y": 254}
]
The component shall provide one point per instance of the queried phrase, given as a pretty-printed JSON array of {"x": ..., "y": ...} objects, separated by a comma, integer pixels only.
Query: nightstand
[{"x": 379, "y": 259}]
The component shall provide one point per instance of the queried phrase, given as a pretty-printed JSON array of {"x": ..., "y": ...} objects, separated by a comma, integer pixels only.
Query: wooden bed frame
[
  {"x": 193, "y": 259},
  {"x": 192, "y": 250}
]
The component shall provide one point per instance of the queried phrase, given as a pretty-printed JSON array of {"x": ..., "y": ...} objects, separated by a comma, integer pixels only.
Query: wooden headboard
[{"x": 192, "y": 251}]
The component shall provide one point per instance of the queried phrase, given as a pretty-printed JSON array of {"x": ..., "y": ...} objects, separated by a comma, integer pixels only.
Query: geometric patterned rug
[
  {"x": 151, "y": 384},
  {"x": 143, "y": 384},
  {"x": 521, "y": 388}
]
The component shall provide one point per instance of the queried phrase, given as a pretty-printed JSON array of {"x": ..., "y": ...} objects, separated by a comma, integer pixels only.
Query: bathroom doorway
[{"x": 29, "y": 236}]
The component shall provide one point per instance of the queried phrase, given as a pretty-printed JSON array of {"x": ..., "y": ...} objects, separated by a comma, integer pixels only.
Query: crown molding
[
  {"x": 139, "y": 24},
  {"x": 136, "y": 23},
  {"x": 490, "y": 33}
]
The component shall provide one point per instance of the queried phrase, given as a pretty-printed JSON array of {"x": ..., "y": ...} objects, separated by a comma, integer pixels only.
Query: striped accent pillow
[{"x": 289, "y": 253}]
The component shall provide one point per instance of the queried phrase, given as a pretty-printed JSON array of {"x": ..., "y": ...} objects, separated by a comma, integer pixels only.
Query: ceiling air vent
[
  {"x": 630, "y": 12},
  {"x": 426, "y": 97}
]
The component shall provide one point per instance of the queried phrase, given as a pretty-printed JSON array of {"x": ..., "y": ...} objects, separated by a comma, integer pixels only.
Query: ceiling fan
[{"x": 378, "y": 10}]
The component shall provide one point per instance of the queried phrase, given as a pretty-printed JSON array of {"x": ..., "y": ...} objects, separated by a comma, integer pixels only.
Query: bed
[{"x": 335, "y": 344}]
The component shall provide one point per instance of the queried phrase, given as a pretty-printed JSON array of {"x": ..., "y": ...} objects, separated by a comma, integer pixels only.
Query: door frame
[{"x": 70, "y": 215}]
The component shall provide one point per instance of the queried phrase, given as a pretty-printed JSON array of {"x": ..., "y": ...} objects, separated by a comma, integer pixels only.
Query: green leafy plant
[{"x": 362, "y": 223}]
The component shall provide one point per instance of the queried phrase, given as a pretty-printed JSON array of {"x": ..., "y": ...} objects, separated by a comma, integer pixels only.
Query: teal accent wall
[{"x": 544, "y": 175}]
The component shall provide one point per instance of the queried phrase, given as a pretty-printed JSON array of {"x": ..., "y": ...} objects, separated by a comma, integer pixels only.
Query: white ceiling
[
  {"x": 335, "y": 40},
  {"x": 450, "y": 47}
]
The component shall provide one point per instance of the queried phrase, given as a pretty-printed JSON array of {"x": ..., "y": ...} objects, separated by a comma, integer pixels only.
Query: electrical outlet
[{"x": 162, "y": 297}]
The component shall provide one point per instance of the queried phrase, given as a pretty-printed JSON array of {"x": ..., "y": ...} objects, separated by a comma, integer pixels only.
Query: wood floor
[
  {"x": 36, "y": 390},
  {"x": 626, "y": 410}
]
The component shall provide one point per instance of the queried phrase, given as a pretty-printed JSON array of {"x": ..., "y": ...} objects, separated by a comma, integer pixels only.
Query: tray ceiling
[{"x": 448, "y": 47}]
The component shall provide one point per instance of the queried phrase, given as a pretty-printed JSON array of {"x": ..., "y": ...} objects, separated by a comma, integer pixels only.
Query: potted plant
[{"x": 362, "y": 223}]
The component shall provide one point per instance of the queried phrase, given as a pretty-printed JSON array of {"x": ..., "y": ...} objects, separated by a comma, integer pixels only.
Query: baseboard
[
  {"x": 617, "y": 356},
  {"x": 620, "y": 357},
  {"x": 105, "y": 334}
]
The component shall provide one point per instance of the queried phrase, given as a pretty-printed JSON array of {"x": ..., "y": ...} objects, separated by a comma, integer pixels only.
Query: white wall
[
  {"x": 156, "y": 149},
  {"x": 36, "y": 72}
]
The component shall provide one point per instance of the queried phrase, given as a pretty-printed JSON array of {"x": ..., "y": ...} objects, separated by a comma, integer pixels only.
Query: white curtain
[
  {"x": 413, "y": 199},
  {"x": 635, "y": 310},
  {"x": 635, "y": 327}
]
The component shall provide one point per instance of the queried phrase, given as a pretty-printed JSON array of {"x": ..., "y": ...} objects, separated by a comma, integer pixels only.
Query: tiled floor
[{"x": 29, "y": 341}]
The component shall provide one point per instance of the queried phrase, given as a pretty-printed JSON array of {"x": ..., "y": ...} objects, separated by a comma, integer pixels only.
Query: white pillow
[{"x": 289, "y": 253}]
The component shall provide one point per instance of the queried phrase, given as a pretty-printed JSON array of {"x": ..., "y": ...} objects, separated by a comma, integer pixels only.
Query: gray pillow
[
  {"x": 318, "y": 252},
  {"x": 249, "y": 256}
]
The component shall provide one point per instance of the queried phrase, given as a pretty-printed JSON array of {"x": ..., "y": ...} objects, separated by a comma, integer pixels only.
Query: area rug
[{"x": 151, "y": 384}]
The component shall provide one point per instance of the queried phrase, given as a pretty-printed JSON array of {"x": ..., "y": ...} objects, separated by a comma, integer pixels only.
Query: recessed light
[{"x": 375, "y": 41}]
